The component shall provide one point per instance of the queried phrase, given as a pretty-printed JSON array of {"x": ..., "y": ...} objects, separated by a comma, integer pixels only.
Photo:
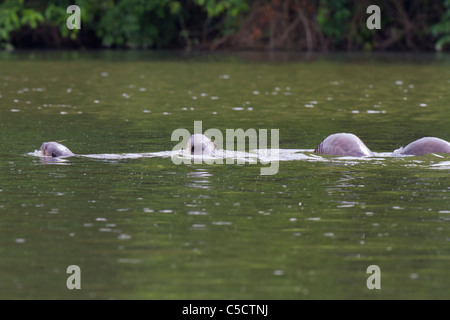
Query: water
[{"x": 141, "y": 227}]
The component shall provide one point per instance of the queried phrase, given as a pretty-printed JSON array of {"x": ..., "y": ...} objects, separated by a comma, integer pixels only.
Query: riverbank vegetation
[{"x": 320, "y": 25}]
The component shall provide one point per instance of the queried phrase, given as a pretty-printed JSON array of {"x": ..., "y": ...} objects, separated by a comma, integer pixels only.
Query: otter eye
[{"x": 53, "y": 154}]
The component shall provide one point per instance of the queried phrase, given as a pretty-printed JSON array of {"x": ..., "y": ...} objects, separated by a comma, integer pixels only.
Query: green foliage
[
  {"x": 13, "y": 16},
  {"x": 57, "y": 15},
  {"x": 121, "y": 23},
  {"x": 218, "y": 7},
  {"x": 442, "y": 29},
  {"x": 332, "y": 17},
  {"x": 154, "y": 23},
  {"x": 127, "y": 23},
  {"x": 187, "y": 23},
  {"x": 31, "y": 18},
  {"x": 230, "y": 10}
]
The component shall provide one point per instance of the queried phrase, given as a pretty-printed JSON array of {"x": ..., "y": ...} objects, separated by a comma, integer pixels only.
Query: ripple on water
[
  {"x": 278, "y": 272},
  {"x": 126, "y": 260},
  {"x": 441, "y": 165},
  {"x": 54, "y": 211},
  {"x": 198, "y": 226},
  {"x": 124, "y": 236},
  {"x": 221, "y": 223},
  {"x": 197, "y": 213}
]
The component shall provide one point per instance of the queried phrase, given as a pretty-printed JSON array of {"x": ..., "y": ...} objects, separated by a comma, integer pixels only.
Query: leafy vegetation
[
  {"x": 442, "y": 29},
  {"x": 13, "y": 16},
  {"x": 320, "y": 25}
]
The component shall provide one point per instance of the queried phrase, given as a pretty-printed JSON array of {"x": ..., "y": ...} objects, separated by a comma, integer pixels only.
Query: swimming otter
[
  {"x": 338, "y": 144},
  {"x": 343, "y": 144},
  {"x": 54, "y": 149},
  {"x": 425, "y": 145},
  {"x": 199, "y": 144},
  {"x": 347, "y": 144}
]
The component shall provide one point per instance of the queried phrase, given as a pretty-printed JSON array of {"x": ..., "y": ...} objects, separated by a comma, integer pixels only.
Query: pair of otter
[
  {"x": 347, "y": 144},
  {"x": 338, "y": 144},
  {"x": 198, "y": 144}
]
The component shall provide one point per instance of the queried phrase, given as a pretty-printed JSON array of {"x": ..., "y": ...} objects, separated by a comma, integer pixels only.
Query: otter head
[
  {"x": 199, "y": 144},
  {"x": 343, "y": 144},
  {"x": 54, "y": 149},
  {"x": 424, "y": 146}
]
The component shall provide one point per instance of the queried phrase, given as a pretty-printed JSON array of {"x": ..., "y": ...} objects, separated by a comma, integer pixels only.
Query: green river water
[{"x": 146, "y": 228}]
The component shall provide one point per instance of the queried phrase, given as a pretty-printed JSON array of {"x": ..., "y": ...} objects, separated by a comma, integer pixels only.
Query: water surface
[{"x": 145, "y": 228}]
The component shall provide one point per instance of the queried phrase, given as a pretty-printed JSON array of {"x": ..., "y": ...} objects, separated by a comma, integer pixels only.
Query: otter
[
  {"x": 338, "y": 144},
  {"x": 424, "y": 146},
  {"x": 199, "y": 144},
  {"x": 347, "y": 144},
  {"x": 343, "y": 144},
  {"x": 55, "y": 149}
]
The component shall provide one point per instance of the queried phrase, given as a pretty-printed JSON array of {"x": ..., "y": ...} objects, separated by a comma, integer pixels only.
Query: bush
[
  {"x": 442, "y": 29},
  {"x": 13, "y": 16},
  {"x": 250, "y": 24}
]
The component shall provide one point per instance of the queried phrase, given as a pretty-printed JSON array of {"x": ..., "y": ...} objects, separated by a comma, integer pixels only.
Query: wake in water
[
  {"x": 340, "y": 147},
  {"x": 263, "y": 156}
]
